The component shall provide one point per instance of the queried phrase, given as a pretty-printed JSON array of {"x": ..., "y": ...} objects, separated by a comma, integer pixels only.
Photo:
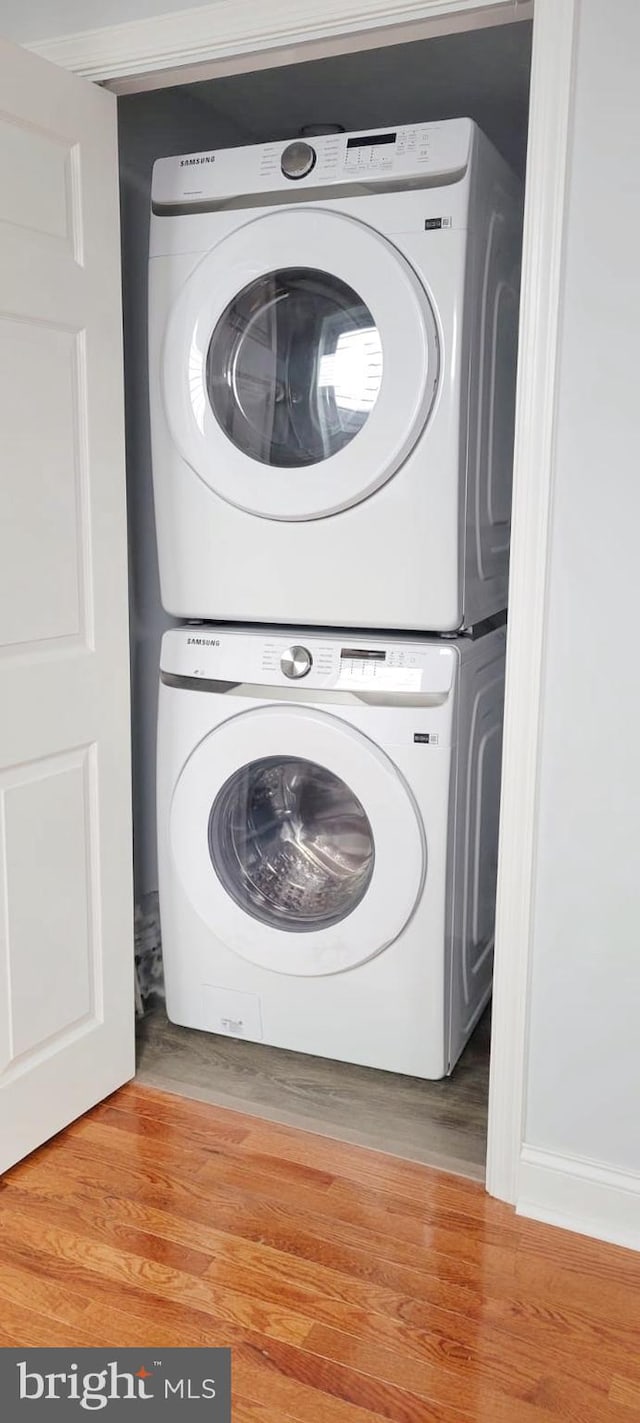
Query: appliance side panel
[
  {"x": 475, "y": 846},
  {"x": 492, "y": 297}
]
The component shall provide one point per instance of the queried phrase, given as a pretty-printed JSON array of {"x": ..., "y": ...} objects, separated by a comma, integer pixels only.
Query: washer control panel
[
  {"x": 358, "y": 664},
  {"x": 296, "y": 661},
  {"x": 425, "y": 153}
]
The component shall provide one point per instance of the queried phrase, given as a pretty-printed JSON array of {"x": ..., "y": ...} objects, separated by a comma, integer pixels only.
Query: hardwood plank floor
[
  {"x": 441, "y": 1124},
  {"x": 351, "y": 1286}
]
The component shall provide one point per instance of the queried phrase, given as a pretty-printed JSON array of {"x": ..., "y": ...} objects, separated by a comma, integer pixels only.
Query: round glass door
[
  {"x": 291, "y": 843},
  {"x": 294, "y": 367},
  {"x": 299, "y": 364},
  {"x": 285, "y": 827}
]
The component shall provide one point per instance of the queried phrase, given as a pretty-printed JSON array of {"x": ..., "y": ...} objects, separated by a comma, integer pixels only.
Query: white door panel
[{"x": 66, "y": 962}]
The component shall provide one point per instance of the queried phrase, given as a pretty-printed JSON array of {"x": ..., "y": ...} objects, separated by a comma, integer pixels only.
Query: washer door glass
[
  {"x": 291, "y": 843},
  {"x": 294, "y": 367},
  {"x": 299, "y": 364}
]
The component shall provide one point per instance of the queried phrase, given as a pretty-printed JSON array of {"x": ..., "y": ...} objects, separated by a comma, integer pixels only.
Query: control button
[
  {"x": 297, "y": 160},
  {"x": 296, "y": 662}
]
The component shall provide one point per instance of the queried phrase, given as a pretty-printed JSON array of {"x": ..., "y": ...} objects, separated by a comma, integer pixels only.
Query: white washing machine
[
  {"x": 328, "y": 829},
  {"x": 332, "y": 344}
]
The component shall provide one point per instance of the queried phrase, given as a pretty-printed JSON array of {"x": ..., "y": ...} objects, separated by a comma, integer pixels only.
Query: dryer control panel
[
  {"x": 286, "y": 659},
  {"x": 330, "y": 165}
]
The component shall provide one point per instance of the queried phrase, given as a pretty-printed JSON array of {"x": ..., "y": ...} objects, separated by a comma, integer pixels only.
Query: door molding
[
  {"x": 554, "y": 44},
  {"x": 234, "y": 35},
  {"x": 229, "y": 36}
]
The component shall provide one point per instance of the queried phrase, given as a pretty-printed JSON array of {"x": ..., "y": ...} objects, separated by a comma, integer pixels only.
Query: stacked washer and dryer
[{"x": 333, "y": 339}]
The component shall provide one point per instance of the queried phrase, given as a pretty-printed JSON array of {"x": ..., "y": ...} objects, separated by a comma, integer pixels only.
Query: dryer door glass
[
  {"x": 294, "y": 367},
  {"x": 291, "y": 844}
]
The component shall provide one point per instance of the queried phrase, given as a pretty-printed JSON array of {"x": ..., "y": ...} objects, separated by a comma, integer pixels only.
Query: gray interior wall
[
  {"x": 150, "y": 126},
  {"x": 483, "y": 75}
]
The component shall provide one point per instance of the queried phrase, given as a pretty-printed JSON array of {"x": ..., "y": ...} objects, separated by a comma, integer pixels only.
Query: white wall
[
  {"x": 583, "y": 1090},
  {"x": 25, "y": 21}
]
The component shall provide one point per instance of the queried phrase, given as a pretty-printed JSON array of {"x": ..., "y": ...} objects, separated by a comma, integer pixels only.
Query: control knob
[
  {"x": 297, "y": 160},
  {"x": 296, "y": 662}
]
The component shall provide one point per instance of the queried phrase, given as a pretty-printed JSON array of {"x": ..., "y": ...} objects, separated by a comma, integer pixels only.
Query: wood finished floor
[
  {"x": 438, "y": 1123},
  {"x": 352, "y": 1287}
]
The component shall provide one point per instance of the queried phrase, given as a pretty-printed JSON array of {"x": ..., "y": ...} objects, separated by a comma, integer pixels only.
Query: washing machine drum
[
  {"x": 284, "y": 828},
  {"x": 294, "y": 368},
  {"x": 291, "y": 843},
  {"x": 300, "y": 364}
]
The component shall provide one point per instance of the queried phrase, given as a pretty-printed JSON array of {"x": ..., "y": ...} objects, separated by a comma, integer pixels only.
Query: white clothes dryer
[
  {"x": 328, "y": 829},
  {"x": 332, "y": 347}
]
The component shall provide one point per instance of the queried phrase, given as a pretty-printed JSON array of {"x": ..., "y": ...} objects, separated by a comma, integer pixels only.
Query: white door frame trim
[
  {"x": 551, "y": 107},
  {"x": 228, "y": 36},
  {"x": 244, "y": 34}
]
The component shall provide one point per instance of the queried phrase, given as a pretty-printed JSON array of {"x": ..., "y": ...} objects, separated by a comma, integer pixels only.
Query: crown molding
[{"x": 226, "y": 30}]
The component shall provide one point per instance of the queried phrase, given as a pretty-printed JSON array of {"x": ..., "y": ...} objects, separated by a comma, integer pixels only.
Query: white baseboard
[{"x": 580, "y": 1195}]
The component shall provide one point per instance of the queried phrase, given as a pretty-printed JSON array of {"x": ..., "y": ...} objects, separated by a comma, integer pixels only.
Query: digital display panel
[
  {"x": 369, "y": 140},
  {"x": 368, "y": 654}
]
